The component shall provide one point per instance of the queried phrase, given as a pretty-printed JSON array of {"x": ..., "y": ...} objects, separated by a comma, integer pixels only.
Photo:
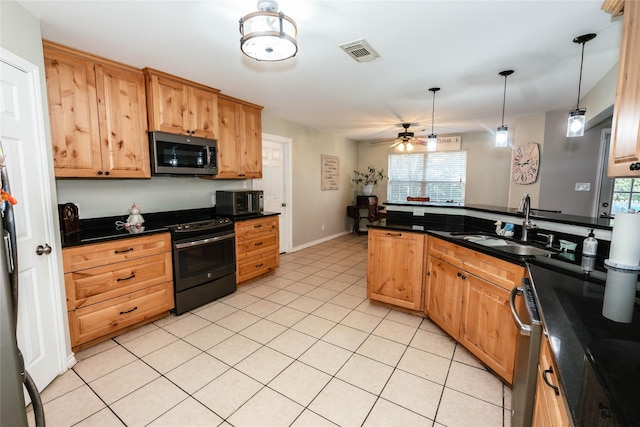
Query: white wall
[
  {"x": 311, "y": 207},
  {"x": 487, "y": 168}
]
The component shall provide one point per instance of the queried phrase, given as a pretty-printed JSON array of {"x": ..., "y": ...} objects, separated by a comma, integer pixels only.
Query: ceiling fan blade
[{"x": 395, "y": 144}]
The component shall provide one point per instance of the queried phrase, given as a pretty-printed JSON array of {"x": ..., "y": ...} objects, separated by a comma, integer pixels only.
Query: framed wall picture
[
  {"x": 329, "y": 172},
  {"x": 525, "y": 163}
]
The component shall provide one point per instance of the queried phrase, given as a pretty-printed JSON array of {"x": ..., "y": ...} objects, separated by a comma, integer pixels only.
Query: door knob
[{"x": 43, "y": 250}]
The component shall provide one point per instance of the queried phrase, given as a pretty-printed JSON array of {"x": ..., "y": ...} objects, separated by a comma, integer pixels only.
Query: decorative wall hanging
[
  {"x": 330, "y": 173},
  {"x": 525, "y": 163}
]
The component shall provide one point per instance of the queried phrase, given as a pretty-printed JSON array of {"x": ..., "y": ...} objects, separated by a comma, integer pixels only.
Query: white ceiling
[{"x": 459, "y": 46}]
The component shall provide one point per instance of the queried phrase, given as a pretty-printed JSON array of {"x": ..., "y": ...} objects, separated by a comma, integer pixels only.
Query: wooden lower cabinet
[
  {"x": 115, "y": 286},
  {"x": 467, "y": 295},
  {"x": 550, "y": 409},
  {"x": 486, "y": 325},
  {"x": 257, "y": 247},
  {"x": 395, "y": 268},
  {"x": 442, "y": 302}
]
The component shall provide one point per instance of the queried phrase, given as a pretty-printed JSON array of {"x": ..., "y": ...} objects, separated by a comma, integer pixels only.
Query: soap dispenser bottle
[{"x": 590, "y": 245}]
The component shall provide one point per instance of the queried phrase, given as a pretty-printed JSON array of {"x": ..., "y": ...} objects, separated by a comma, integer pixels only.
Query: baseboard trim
[{"x": 315, "y": 242}]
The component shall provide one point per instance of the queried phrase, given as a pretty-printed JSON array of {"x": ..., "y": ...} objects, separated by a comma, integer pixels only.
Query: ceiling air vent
[{"x": 360, "y": 50}]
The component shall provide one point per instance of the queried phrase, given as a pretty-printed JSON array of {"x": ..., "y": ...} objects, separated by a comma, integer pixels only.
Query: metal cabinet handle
[
  {"x": 43, "y": 250},
  {"x": 129, "y": 311},
  {"x": 123, "y": 251},
  {"x": 126, "y": 278},
  {"x": 259, "y": 265},
  {"x": 257, "y": 226},
  {"x": 544, "y": 377},
  {"x": 394, "y": 234},
  {"x": 258, "y": 244}
]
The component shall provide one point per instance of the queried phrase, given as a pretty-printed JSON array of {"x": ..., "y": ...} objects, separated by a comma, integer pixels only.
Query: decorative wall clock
[{"x": 525, "y": 163}]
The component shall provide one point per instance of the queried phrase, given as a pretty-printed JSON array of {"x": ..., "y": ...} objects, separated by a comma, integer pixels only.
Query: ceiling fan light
[
  {"x": 432, "y": 142},
  {"x": 576, "y": 122},
  {"x": 409, "y": 146},
  {"x": 400, "y": 147},
  {"x": 268, "y": 35},
  {"x": 502, "y": 136}
]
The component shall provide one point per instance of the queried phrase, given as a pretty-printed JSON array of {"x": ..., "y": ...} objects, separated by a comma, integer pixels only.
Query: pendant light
[
  {"x": 576, "y": 120},
  {"x": 268, "y": 35},
  {"x": 432, "y": 141},
  {"x": 502, "y": 134}
]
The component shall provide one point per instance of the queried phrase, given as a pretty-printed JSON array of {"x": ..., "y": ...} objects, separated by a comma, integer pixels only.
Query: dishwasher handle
[{"x": 524, "y": 329}]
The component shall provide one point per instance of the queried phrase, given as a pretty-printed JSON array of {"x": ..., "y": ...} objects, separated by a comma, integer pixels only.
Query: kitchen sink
[{"x": 503, "y": 245}]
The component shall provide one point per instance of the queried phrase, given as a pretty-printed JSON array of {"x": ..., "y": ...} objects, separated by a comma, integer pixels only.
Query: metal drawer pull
[
  {"x": 260, "y": 265},
  {"x": 204, "y": 241},
  {"x": 124, "y": 251},
  {"x": 394, "y": 234},
  {"x": 257, "y": 226},
  {"x": 258, "y": 244},
  {"x": 544, "y": 377},
  {"x": 126, "y": 278},
  {"x": 129, "y": 311}
]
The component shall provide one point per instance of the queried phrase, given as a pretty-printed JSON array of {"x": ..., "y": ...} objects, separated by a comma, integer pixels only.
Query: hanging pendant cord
[
  {"x": 580, "y": 79},
  {"x": 433, "y": 110},
  {"x": 504, "y": 98}
]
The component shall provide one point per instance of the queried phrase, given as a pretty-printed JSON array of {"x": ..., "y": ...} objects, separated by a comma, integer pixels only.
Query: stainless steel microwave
[
  {"x": 182, "y": 155},
  {"x": 240, "y": 202}
]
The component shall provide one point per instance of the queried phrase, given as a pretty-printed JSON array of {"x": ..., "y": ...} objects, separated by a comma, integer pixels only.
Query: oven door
[{"x": 203, "y": 259}]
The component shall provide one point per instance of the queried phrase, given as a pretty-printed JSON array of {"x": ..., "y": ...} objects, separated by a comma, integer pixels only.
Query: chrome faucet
[{"x": 525, "y": 208}]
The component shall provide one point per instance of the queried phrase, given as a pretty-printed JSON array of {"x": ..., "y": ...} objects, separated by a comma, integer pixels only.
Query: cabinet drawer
[
  {"x": 495, "y": 270},
  {"x": 100, "y": 319},
  {"x": 256, "y": 266},
  {"x": 256, "y": 246},
  {"x": 92, "y": 285},
  {"x": 97, "y": 254},
  {"x": 246, "y": 229}
]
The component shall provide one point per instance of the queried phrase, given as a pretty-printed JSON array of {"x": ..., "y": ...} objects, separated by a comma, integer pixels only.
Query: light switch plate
[
  {"x": 418, "y": 212},
  {"x": 583, "y": 186}
]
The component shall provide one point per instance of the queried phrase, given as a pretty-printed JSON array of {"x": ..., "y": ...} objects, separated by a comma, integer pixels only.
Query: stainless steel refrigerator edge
[{"x": 523, "y": 389}]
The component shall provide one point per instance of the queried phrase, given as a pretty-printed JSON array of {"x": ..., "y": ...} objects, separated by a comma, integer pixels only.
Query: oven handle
[{"x": 205, "y": 241}]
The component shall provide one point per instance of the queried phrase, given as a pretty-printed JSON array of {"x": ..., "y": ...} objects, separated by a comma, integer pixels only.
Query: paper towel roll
[
  {"x": 619, "y": 295},
  {"x": 625, "y": 239}
]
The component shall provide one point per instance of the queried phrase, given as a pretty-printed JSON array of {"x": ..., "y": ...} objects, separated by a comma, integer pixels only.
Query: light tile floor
[{"x": 301, "y": 347}]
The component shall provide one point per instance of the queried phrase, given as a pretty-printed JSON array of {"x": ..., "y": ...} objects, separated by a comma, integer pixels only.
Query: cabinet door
[
  {"x": 625, "y": 139},
  {"x": 395, "y": 268},
  {"x": 487, "y": 328},
  {"x": 549, "y": 409},
  {"x": 168, "y": 105},
  {"x": 203, "y": 111},
  {"x": 251, "y": 156},
  {"x": 444, "y": 290},
  {"x": 229, "y": 119},
  {"x": 123, "y": 122},
  {"x": 73, "y": 111}
]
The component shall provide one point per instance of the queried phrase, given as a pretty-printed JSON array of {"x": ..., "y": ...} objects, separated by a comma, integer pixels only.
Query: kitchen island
[{"x": 569, "y": 291}]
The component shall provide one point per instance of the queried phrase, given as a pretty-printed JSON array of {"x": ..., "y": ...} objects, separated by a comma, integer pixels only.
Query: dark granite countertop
[
  {"x": 104, "y": 229},
  {"x": 570, "y": 301}
]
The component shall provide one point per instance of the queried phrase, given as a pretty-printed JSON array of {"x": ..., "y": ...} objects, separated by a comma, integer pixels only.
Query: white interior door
[
  {"x": 40, "y": 332},
  {"x": 275, "y": 183}
]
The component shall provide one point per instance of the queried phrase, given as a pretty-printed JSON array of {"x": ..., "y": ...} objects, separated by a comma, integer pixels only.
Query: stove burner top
[{"x": 211, "y": 224}]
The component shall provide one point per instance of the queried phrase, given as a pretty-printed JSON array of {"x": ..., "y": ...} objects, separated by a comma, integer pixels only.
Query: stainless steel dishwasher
[{"x": 523, "y": 391}]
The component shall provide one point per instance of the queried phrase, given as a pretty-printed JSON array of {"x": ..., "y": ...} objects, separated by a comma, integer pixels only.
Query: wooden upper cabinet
[
  {"x": 97, "y": 110},
  {"x": 240, "y": 140},
  {"x": 624, "y": 153},
  {"x": 180, "y": 106}
]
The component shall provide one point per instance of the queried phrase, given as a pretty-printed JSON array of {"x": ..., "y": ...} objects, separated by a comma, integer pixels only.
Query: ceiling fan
[{"x": 406, "y": 140}]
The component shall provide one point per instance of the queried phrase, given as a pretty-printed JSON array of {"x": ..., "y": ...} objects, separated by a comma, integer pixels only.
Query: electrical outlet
[
  {"x": 322, "y": 227},
  {"x": 213, "y": 199},
  {"x": 245, "y": 184},
  {"x": 418, "y": 212},
  {"x": 583, "y": 186}
]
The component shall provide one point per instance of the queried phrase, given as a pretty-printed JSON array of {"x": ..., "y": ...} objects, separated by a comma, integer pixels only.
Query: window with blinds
[{"x": 441, "y": 176}]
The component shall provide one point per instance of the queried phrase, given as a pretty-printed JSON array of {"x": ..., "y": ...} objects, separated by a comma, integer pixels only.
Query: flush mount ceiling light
[
  {"x": 576, "y": 120},
  {"x": 502, "y": 134},
  {"x": 405, "y": 139},
  {"x": 432, "y": 141},
  {"x": 268, "y": 35}
]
